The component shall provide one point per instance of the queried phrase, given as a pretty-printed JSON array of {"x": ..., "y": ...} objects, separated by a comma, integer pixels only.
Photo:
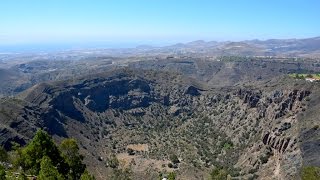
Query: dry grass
[
  {"x": 139, "y": 163},
  {"x": 138, "y": 147}
]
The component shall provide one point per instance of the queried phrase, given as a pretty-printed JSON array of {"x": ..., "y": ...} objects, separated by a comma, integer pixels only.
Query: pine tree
[
  {"x": 48, "y": 171},
  {"x": 40, "y": 146},
  {"x": 70, "y": 152}
]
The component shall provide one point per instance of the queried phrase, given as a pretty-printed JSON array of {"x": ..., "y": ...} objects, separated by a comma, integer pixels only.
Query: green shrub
[
  {"x": 310, "y": 173},
  {"x": 218, "y": 174},
  {"x": 86, "y": 176},
  {"x": 264, "y": 159},
  {"x": 3, "y": 155},
  {"x": 121, "y": 174},
  {"x": 22, "y": 176},
  {"x": 309, "y": 76},
  {"x": 172, "y": 176},
  {"x": 130, "y": 152},
  {"x": 113, "y": 162},
  {"x": 2, "y": 173},
  {"x": 227, "y": 145},
  {"x": 174, "y": 159}
]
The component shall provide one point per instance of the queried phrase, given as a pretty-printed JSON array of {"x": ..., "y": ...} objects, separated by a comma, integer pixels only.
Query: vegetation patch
[
  {"x": 43, "y": 159},
  {"x": 310, "y": 173},
  {"x": 304, "y": 76}
]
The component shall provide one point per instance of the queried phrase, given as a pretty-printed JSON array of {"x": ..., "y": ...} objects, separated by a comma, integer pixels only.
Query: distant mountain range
[{"x": 309, "y": 47}]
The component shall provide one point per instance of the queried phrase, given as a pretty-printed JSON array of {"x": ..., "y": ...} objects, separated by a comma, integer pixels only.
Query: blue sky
[{"x": 155, "y": 21}]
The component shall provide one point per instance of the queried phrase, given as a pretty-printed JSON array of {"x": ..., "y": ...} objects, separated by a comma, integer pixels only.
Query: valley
[{"x": 152, "y": 117}]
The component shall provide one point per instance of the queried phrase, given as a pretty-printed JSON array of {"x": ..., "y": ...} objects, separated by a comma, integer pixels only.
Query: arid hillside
[{"x": 155, "y": 122}]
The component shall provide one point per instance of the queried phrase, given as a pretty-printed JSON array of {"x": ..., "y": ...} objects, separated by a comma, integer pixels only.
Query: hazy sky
[{"x": 155, "y": 21}]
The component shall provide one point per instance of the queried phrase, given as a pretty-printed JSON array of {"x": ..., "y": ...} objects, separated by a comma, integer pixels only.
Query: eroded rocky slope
[{"x": 251, "y": 130}]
